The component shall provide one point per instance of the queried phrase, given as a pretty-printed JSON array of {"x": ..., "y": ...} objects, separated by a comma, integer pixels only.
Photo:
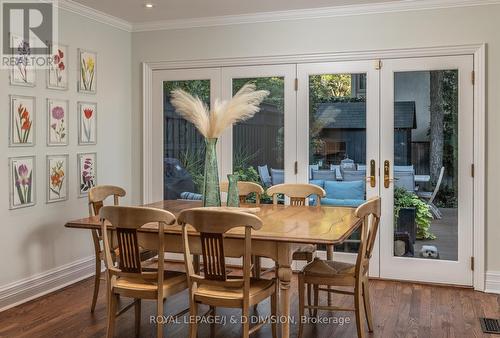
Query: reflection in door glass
[
  {"x": 337, "y": 141},
  {"x": 258, "y": 143},
  {"x": 426, "y": 164},
  {"x": 183, "y": 145}
]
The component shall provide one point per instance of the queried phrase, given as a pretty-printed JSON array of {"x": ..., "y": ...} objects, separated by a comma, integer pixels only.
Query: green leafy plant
[{"x": 405, "y": 199}]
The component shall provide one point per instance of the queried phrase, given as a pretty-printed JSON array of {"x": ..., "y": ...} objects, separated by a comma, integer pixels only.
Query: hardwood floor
[{"x": 400, "y": 310}]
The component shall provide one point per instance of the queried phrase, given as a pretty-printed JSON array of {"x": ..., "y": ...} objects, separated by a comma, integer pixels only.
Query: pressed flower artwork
[
  {"x": 57, "y": 72},
  {"x": 57, "y": 178},
  {"x": 23, "y": 72},
  {"x": 87, "y": 125},
  {"x": 22, "y": 181},
  {"x": 57, "y": 118},
  {"x": 87, "y": 62},
  {"x": 87, "y": 172},
  {"x": 22, "y": 118}
]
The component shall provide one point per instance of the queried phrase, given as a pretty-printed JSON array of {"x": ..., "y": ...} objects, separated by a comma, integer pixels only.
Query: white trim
[
  {"x": 309, "y": 13},
  {"x": 479, "y": 52},
  {"x": 147, "y": 132},
  {"x": 492, "y": 282},
  {"x": 36, "y": 286},
  {"x": 479, "y": 200},
  {"x": 110, "y": 20}
]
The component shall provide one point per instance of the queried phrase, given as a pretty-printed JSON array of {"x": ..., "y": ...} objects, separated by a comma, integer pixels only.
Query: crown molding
[
  {"x": 88, "y": 12},
  {"x": 313, "y": 13}
]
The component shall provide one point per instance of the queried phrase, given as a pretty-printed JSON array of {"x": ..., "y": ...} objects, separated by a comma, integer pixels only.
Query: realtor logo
[{"x": 27, "y": 25}]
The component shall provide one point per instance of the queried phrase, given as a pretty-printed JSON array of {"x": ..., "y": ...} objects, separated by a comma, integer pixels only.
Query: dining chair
[
  {"x": 215, "y": 288},
  {"x": 129, "y": 278},
  {"x": 338, "y": 274},
  {"x": 245, "y": 189},
  {"x": 429, "y": 196},
  {"x": 298, "y": 194}
]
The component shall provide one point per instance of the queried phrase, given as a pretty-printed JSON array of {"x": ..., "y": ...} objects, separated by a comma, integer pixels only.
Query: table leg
[
  {"x": 285, "y": 275},
  {"x": 329, "y": 256}
]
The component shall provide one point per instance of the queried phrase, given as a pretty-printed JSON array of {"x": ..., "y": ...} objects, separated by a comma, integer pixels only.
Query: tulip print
[
  {"x": 87, "y": 123},
  {"x": 23, "y": 183}
]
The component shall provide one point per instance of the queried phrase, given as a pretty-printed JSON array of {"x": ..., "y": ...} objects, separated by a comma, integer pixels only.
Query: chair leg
[
  {"x": 309, "y": 297},
  {"x": 301, "y": 303},
  {"x": 159, "y": 314},
  {"x": 246, "y": 322},
  {"x": 137, "y": 310},
  {"x": 358, "y": 304},
  {"x": 97, "y": 281},
  {"x": 329, "y": 256},
  {"x": 316, "y": 299},
  {"x": 212, "y": 323},
  {"x": 367, "y": 306},
  {"x": 274, "y": 314},
  {"x": 110, "y": 331},
  {"x": 256, "y": 266},
  {"x": 193, "y": 324}
]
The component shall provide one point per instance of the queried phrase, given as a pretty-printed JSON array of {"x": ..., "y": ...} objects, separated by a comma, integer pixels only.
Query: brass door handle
[
  {"x": 387, "y": 170},
  {"x": 373, "y": 179}
]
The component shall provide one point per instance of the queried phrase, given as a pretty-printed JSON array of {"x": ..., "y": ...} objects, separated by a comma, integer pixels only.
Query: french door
[
  {"x": 426, "y": 153},
  {"x": 401, "y": 129}
]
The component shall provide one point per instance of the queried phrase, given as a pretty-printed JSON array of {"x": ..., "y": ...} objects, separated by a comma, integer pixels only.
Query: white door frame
[
  {"x": 414, "y": 268},
  {"x": 478, "y": 50}
]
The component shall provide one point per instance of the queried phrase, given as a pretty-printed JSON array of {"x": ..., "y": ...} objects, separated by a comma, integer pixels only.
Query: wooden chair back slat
[
  {"x": 212, "y": 246},
  {"x": 129, "y": 250},
  {"x": 369, "y": 212},
  {"x": 245, "y": 189},
  {"x": 298, "y": 193}
]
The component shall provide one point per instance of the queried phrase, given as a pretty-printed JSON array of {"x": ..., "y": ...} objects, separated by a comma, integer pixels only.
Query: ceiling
[{"x": 134, "y": 11}]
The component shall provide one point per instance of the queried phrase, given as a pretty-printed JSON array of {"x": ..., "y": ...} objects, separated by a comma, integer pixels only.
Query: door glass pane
[
  {"x": 258, "y": 143},
  {"x": 183, "y": 145},
  {"x": 337, "y": 141},
  {"x": 426, "y": 164}
]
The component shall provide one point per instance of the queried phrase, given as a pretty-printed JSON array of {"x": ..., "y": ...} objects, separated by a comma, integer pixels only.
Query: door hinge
[
  {"x": 472, "y": 170},
  {"x": 472, "y": 263},
  {"x": 296, "y": 84},
  {"x": 296, "y": 167},
  {"x": 473, "y": 77},
  {"x": 378, "y": 64}
]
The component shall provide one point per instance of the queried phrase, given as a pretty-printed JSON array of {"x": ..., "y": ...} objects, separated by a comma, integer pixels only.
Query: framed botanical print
[
  {"x": 87, "y": 123},
  {"x": 23, "y": 72},
  {"x": 57, "y": 122},
  {"x": 87, "y": 172},
  {"x": 57, "y": 178},
  {"x": 57, "y": 72},
  {"x": 22, "y": 121},
  {"x": 22, "y": 182},
  {"x": 87, "y": 64}
]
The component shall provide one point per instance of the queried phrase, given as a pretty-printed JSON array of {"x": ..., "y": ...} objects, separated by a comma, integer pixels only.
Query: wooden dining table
[{"x": 284, "y": 230}]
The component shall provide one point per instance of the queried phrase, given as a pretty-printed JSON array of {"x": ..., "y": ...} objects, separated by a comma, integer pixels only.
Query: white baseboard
[
  {"x": 492, "y": 282},
  {"x": 35, "y": 286}
]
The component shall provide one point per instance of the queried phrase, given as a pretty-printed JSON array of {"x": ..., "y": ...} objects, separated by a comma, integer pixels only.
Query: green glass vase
[
  {"x": 211, "y": 189},
  {"x": 233, "y": 198}
]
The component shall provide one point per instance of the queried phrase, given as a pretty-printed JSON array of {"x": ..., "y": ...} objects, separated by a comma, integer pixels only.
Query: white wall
[
  {"x": 33, "y": 240},
  {"x": 364, "y": 32}
]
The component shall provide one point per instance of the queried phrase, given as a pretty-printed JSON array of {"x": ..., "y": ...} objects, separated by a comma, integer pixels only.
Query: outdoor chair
[
  {"x": 265, "y": 178},
  {"x": 429, "y": 196}
]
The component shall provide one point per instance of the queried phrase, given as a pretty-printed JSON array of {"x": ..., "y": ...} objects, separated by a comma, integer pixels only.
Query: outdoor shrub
[{"x": 405, "y": 199}]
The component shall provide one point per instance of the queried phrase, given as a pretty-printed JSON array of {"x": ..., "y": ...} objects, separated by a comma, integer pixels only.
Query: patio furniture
[
  {"x": 131, "y": 278},
  {"x": 347, "y": 165},
  {"x": 245, "y": 189},
  {"x": 356, "y": 175},
  {"x": 277, "y": 176},
  {"x": 422, "y": 178},
  {"x": 338, "y": 172},
  {"x": 344, "y": 194},
  {"x": 406, "y": 168},
  {"x": 311, "y": 168},
  {"x": 429, "y": 196},
  {"x": 405, "y": 180},
  {"x": 215, "y": 288},
  {"x": 362, "y": 167},
  {"x": 338, "y": 274},
  {"x": 97, "y": 195},
  {"x": 186, "y": 195},
  {"x": 264, "y": 176},
  {"x": 326, "y": 175}
]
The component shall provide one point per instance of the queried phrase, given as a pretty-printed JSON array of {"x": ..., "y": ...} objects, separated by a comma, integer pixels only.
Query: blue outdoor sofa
[{"x": 341, "y": 193}]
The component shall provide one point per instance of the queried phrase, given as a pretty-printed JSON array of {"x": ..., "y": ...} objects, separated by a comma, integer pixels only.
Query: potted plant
[{"x": 404, "y": 199}]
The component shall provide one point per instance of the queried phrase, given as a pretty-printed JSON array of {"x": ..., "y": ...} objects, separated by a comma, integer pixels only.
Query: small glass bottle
[{"x": 233, "y": 198}]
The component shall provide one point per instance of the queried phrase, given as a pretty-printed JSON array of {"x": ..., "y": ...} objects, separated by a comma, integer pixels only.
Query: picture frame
[
  {"x": 22, "y": 182},
  {"x": 87, "y": 172},
  {"x": 57, "y": 122},
  {"x": 22, "y": 121},
  {"x": 87, "y": 123},
  {"x": 87, "y": 70},
  {"x": 57, "y": 184},
  {"x": 22, "y": 74},
  {"x": 58, "y": 73}
]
